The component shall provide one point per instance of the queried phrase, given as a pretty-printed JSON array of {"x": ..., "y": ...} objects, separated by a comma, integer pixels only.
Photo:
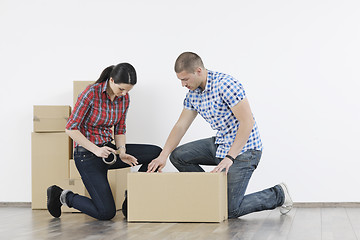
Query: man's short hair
[{"x": 188, "y": 61}]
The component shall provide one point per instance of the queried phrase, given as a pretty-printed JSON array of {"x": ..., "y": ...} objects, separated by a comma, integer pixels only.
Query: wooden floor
[{"x": 300, "y": 223}]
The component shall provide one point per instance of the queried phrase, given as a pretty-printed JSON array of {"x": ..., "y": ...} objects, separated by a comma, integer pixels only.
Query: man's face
[{"x": 189, "y": 80}]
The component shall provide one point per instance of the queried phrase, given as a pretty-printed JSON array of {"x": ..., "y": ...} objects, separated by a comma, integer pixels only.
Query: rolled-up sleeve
[
  {"x": 120, "y": 127},
  {"x": 232, "y": 92},
  {"x": 82, "y": 106},
  {"x": 187, "y": 101}
]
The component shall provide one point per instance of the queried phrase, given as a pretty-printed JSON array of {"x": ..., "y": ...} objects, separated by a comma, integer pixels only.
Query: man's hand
[
  {"x": 104, "y": 151},
  {"x": 128, "y": 159},
  {"x": 224, "y": 164},
  {"x": 158, "y": 163}
]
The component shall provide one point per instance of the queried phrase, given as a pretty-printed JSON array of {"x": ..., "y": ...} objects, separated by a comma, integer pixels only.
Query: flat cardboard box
[
  {"x": 78, "y": 87},
  {"x": 50, "y": 118},
  {"x": 177, "y": 197},
  {"x": 50, "y": 154}
]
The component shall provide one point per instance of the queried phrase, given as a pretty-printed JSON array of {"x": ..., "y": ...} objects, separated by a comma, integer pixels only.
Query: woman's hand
[
  {"x": 128, "y": 159},
  {"x": 104, "y": 151}
]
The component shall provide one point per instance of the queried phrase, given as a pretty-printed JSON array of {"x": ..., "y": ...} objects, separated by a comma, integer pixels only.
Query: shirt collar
[
  {"x": 208, "y": 83},
  {"x": 104, "y": 88},
  {"x": 105, "y": 85},
  {"x": 208, "y": 80}
]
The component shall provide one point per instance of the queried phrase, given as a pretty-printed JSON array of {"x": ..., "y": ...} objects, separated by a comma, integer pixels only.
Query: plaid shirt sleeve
[
  {"x": 231, "y": 91},
  {"x": 80, "y": 109},
  {"x": 187, "y": 104},
  {"x": 120, "y": 128}
]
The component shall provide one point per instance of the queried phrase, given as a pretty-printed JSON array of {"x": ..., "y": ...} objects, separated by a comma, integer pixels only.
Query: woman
[{"x": 100, "y": 107}]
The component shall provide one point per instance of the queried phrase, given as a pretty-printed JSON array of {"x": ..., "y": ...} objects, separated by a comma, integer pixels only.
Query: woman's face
[{"x": 120, "y": 89}]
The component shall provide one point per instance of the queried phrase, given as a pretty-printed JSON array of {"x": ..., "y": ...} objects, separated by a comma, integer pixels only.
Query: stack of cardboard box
[
  {"x": 52, "y": 161},
  {"x": 51, "y": 151}
]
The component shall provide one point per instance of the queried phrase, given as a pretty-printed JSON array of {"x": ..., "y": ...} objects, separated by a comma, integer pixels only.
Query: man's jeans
[
  {"x": 93, "y": 172},
  {"x": 188, "y": 157}
]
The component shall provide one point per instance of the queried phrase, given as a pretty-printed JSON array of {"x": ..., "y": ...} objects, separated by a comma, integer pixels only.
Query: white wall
[{"x": 299, "y": 62}]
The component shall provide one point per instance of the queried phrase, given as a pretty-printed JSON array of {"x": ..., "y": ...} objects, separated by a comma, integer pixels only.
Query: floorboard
[
  {"x": 300, "y": 224},
  {"x": 275, "y": 226},
  {"x": 354, "y": 217},
  {"x": 306, "y": 224},
  {"x": 336, "y": 224}
]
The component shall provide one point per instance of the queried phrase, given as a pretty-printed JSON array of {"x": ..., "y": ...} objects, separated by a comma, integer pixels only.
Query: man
[{"x": 220, "y": 99}]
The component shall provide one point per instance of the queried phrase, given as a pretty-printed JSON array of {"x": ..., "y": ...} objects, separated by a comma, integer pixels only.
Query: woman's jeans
[
  {"x": 188, "y": 157},
  {"x": 93, "y": 172}
]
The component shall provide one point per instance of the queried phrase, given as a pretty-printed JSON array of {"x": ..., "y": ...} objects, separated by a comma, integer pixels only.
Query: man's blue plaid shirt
[{"x": 222, "y": 92}]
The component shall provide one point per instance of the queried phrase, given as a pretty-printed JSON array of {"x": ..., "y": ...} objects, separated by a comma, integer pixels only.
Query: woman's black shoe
[{"x": 53, "y": 200}]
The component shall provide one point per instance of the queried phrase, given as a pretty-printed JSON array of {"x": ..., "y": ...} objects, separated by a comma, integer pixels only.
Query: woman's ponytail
[{"x": 105, "y": 75}]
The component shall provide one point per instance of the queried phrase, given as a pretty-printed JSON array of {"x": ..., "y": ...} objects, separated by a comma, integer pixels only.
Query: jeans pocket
[
  {"x": 255, "y": 159},
  {"x": 244, "y": 157},
  {"x": 89, "y": 164},
  {"x": 82, "y": 155},
  {"x": 249, "y": 158},
  {"x": 85, "y": 157}
]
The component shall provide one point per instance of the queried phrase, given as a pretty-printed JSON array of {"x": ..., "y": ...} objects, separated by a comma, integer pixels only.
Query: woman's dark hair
[{"x": 121, "y": 73}]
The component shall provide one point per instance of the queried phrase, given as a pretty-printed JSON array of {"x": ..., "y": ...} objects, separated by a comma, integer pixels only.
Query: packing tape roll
[{"x": 112, "y": 162}]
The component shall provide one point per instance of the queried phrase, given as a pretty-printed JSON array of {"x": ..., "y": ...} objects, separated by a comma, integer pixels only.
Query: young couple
[{"x": 219, "y": 98}]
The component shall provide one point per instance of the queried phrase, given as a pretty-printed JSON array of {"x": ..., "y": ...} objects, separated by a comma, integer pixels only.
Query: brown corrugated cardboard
[
  {"x": 120, "y": 186},
  {"x": 50, "y": 118},
  {"x": 177, "y": 197},
  {"x": 50, "y": 154},
  {"x": 78, "y": 87},
  {"x": 77, "y": 186},
  {"x": 73, "y": 173}
]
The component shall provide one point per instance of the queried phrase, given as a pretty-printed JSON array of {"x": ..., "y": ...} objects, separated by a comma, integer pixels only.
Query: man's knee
[
  {"x": 176, "y": 156},
  {"x": 233, "y": 213}
]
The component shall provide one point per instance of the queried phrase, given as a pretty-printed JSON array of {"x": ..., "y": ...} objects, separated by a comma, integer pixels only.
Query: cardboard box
[
  {"x": 177, "y": 197},
  {"x": 119, "y": 188},
  {"x": 117, "y": 180},
  {"x": 50, "y": 154},
  {"x": 77, "y": 186},
  {"x": 78, "y": 87},
  {"x": 50, "y": 118},
  {"x": 73, "y": 173}
]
